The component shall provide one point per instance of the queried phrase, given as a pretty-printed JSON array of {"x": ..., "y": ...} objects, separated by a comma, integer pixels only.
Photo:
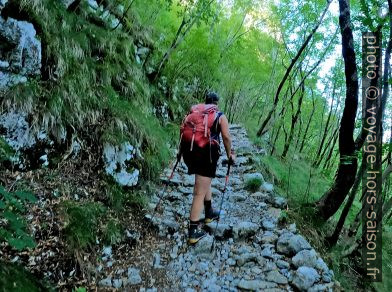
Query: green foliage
[
  {"x": 116, "y": 195},
  {"x": 283, "y": 217},
  {"x": 5, "y": 151},
  {"x": 253, "y": 184},
  {"x": 12, "y": 224},
  {"x": 386, "y": 284},
  {"x": 95, "y": 81},
  {"x": 292, "y": 179},
  {"x": 79, "y": 289},
  {"x": 15, "y": 278},
  {"x": 81, "y": 223},
  {"x": 113, "y": 232}
]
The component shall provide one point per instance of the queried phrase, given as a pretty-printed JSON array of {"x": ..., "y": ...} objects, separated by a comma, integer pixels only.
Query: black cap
[{"x": 212, "y": 97}]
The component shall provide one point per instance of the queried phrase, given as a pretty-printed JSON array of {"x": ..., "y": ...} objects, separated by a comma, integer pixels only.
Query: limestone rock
[
  {"x": 260, "y": 196},
  {"x": 236, "y": 198},
  {"x": 17, "y": 130},
  {"x": 222, "y": 230},
  {"x": 267, "y": 187},
  {"x": 134, "y": 276},
  {"x": 275, "y": 276},
  {"x": 304, "y": 278},
  {"x": 24, "y": 51},
  {"x": 107, "y": 282},
  {"x": 117, "y": 283},
  {"x": 156, "y": 261},
  {"x": 282, "y": 264},
  {"x": 246, "y": 257},
  {"x": 290, "y": 244},
  {"x": 268, "y": 224},
  {"x": 255, "y": 285},
  {"x": 203, "y": 246},
  {"x": 2, "y": 3},
  {"x": 279, "y": 202},
  {"x": 267, "y": 253},
  {"x": 244, "y": 229},
  {"x": 22, "y": 138},
  {"x": 269, "y": 237},
  {"x": 306, "y": 258},
  {"x": 117, "y": 159}
]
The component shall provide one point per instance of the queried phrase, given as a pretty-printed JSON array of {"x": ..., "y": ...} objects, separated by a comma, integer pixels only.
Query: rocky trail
[{"x": 253, "y": 250}]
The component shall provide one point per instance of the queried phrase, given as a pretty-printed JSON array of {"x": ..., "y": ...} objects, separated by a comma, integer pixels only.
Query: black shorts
[{"x": 200, "y": 161}]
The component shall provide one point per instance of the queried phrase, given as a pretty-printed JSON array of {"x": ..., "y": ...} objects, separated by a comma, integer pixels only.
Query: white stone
[
  {"x": 116, "y": 159},
  {"x": 24, "y": 59}
]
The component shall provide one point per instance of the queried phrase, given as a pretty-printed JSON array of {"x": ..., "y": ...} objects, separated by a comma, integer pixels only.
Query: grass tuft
[
  {"x": 81, "y": 223},
  {"x": 253, "y": 184}
]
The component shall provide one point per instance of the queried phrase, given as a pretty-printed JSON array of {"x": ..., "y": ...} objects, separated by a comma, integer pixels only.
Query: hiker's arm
[{"x": 224, "y": 123}]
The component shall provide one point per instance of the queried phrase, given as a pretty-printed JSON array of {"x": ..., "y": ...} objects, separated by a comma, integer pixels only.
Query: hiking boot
[
  {"x": 196, "y": 234},
  {"x": 211, "y": 216}
]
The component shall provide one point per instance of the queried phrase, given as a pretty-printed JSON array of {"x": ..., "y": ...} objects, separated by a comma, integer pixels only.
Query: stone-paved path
[{"x": 253, "y": 250}]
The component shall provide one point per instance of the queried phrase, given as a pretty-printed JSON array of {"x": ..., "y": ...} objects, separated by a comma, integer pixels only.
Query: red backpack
[{"x": 196, "y": 126}]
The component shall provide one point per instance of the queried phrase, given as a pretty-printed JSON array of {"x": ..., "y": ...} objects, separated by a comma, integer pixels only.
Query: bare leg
[
  {"x": 201, "y": 189},
  {"x": 208, "y": 196}
]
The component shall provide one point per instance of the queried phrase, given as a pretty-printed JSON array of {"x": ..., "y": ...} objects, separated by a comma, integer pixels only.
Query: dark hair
[{"x": 212, "y": 97}]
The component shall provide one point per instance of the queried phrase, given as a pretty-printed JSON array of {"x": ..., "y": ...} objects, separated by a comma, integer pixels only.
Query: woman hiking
[{"x": 200, "y": 147}]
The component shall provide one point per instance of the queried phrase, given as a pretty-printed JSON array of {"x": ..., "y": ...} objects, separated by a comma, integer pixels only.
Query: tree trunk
[
  {"x": 330, "y": 202},
  {"x": 294, "y": 119},
  {"x": 326, "y": 128},
  {"x": 331, "y": 240},
  {"x": 307, "y": 126},
  {"x": 182, "y": 31},
  {"x": 329, "y": 156},
  {"x": 291, "y": 66},
  {"x": 331, "y": 138}
]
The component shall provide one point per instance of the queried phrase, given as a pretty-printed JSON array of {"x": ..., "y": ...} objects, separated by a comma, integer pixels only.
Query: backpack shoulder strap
[{"x": 218, "y": 114}]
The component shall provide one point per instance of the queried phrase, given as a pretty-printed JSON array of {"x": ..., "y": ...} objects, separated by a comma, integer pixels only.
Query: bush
[
  {"x": 253, "y": 184},
  {"x": 12, "y": 225}
]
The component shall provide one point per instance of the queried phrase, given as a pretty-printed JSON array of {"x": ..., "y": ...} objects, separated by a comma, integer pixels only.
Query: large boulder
[{"x": 118, "y": 160}]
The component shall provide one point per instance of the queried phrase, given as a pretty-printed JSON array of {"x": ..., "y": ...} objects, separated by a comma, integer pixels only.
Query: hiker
[{"x": 200, "y": 148}]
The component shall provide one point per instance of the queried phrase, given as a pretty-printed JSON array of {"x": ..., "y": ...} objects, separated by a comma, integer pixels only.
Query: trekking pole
[
  {"x": 164, "y": 190},
  {"x": 221, "y": 204}
]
